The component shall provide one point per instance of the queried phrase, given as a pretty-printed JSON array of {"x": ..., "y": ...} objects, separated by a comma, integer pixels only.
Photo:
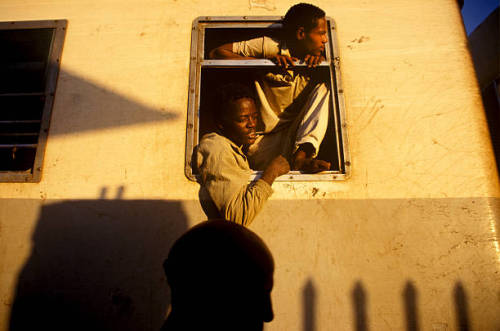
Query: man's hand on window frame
[
  {"x": 284, "y": 60},
  {"x": 313, "y": 60}
]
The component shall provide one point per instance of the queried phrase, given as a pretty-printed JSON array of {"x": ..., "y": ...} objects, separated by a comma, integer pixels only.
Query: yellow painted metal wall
[{"x": 410, "y": 240}]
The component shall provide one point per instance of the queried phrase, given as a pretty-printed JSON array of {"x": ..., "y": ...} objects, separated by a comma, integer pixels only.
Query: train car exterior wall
[{"x": 409, "y": 241}]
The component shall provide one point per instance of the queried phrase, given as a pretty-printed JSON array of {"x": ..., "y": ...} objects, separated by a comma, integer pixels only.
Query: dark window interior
[
  {"x": 213, "y": 78},
  {"x": 23, "y": 74},
  {"x": 24, "y": 59}
]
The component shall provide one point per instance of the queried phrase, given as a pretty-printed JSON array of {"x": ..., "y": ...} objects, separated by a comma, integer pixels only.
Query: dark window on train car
[
  {"x": 29, "y": 66},
  {"x": 207, "y": 75}
]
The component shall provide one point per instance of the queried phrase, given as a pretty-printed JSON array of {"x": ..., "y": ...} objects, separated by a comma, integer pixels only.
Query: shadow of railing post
[
  {"x": 411, "y": 308},
  {"x": 461, "y": 307},
  {"x": 410, "y": 301},
  {"x": 359, "y": 307},
  {"x": 309, "y": 299}
]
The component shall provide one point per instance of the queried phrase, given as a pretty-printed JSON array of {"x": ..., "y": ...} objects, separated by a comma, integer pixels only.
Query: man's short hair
[
  {"x": 220, "y": 253},
  {"x": 301, "y": 15},
  {"x": 226, "y": 95}
]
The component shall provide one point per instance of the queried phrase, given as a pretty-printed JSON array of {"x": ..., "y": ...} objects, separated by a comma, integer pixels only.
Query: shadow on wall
[
  {"x": 97, "y": 265},
  {"x": 309, "y": 311},
  {"x": 491, "y": 104},
  {"x": 359, "y": 299},
  {"x": 81, "y": 105},
  {"x": 411, "y": 307},
  {"x": 484, "y": 45},
  {"x": 359, "y": 307}
]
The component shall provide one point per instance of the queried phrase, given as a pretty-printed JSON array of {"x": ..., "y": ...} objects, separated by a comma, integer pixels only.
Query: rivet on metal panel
[
  {"x": 334, "y": 177},
  {"x": 344, "y": 125},
  {"x": 190, "y": 126},
  {"x": 191, "y": 90},
  {"x": 336, "y": 61},
  {"x": 194, "y": 28},
  {"x": 193, "y": 58},
  {"x": 341, "y": 91},
  {"x": 244, "y": 17},
  {"x": 39, "y": 168},
  {"x": 347, "y": 163},
  {"x": 291, "y": 177},
  {"x": 207, "y": 18}
]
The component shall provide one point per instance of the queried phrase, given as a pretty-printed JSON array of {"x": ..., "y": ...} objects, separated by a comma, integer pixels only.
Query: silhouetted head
[
  {"x": 304, "y": 26},
  {"x": 221, "y": 277},
  {"x": 236, "y": 115}
]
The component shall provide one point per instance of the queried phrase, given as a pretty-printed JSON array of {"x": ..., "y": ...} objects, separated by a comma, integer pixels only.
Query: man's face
[
  {"x": 313, "y": 42},
  {"x": 240, "y": 125},
  {"x": 253, "y": 306},
  {"x": 267, "y": 312}
]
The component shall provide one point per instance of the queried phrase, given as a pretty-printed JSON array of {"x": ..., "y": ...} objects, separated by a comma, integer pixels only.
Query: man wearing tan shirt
[
  {"x": 293, "y": 104},
  {"x": 222, "y": 161}
]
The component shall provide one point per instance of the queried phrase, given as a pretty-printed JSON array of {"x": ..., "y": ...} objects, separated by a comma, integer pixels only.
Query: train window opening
[{"x": 207, "y": 75}]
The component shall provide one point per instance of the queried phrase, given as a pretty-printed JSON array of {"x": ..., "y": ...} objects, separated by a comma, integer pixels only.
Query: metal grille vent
[{"x": 29, "y": 63}]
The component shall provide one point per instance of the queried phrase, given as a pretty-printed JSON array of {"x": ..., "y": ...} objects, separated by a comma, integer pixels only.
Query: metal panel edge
[
  {"x": 53, "y": 69},
  {"x": 191, "y": 113},
  {"x": 340, "y": 97}
]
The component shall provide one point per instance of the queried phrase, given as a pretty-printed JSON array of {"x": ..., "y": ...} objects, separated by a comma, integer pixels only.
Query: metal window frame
[
  {"x": 52, "y": 72},
  {"x": 197, "y": 62}
]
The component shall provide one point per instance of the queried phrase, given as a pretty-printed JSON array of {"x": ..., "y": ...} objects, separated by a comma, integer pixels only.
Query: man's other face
[
  {"x": 241, "y": 123},
  {"x": 314, "y": 40}
]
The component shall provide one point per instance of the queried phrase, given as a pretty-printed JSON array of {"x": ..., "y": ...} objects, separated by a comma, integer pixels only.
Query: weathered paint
[{"x": 415, "y": 226}]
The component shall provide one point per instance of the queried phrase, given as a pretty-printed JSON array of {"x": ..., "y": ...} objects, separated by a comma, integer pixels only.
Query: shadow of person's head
[{"x": 221, "y": 277}]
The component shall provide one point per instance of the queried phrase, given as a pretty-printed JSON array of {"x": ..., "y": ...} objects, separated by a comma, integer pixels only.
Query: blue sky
[{"x": 475, "y": 11}]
